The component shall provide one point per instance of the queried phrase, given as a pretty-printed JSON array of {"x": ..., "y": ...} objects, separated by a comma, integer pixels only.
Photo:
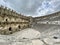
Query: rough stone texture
[
  {"x": 17, "y": 38},
  {"x": 37, "y": 42},
  {"x": 28, "y": 33},
  {"x": 41, "y": 32},
  {"x": 9, "y": 18},
  {"x": 49, "y": 19}
]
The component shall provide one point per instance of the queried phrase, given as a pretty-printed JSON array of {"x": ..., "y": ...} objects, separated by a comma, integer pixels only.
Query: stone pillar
[
  {"x": 5, "y": 11},
  {"x": 9, "y": 11},
  {"x": 31, "y": 22},
  {"x": 1, "y": 10},
  {"x": 12, "y": 12}
]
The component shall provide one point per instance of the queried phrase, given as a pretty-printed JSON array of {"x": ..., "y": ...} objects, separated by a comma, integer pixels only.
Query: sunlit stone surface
[
  {"x": 22, "y": 30},
  {"x": 37, "y": 42},
  {"x": 48, "y": 37},
  {"x": 29, "y": 34}
]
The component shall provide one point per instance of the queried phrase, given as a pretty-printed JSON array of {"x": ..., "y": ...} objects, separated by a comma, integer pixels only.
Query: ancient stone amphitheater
[
  {"x": 10, "y": 21},
  {"x": 17, "y": 29}
]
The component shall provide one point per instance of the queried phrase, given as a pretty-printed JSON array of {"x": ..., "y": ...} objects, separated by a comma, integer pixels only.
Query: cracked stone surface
[{"x": 32, "y": 36}]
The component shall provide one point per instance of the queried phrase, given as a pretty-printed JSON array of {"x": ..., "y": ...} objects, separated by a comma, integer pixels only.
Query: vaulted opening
[
  {"x": 19, "y": 26},
  {"x": 10, "y": 29},
  {"x": 6, "y": 19}
]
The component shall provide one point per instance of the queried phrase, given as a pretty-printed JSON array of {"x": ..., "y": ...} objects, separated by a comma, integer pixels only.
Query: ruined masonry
[{"x": 10, "y": 21}]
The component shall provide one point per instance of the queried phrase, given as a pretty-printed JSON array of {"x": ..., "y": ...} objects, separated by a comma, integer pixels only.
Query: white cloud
[
  {"x": 48, "y": 7},
  {"x": 2, "y": 2},
  {"x": 5, "y": 3},
  {"x": 33, "y": 7}
]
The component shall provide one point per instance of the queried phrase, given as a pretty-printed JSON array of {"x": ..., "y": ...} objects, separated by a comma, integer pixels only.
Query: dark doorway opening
[
  {"x": 6, "y": 19},
  {"x": 10, "y": 29},
  {"x": 55, "y": 37},
  {"x": 19, "y": 27}
]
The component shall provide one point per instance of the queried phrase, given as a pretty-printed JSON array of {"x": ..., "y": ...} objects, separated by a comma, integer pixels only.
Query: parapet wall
[
  {"x": 48, "y": 19},
  {"x": 10, "y": 21}
]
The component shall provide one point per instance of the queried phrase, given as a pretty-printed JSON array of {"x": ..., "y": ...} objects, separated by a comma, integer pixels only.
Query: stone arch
[
  {"x": 19, "y": 26},
  {"x": 6, "y": 19},
  {"x": 10, "y": 28}
]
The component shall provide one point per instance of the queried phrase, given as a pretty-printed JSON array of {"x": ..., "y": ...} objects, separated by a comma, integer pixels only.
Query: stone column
[
  {"x": 31, "y": 22},
  {"x": 1, "y": 9}
]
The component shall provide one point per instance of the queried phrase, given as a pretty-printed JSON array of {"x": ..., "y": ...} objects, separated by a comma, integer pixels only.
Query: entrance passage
[
  {"x": 10, "y": 29},
  {"x": 19, "y": 27},
  {"x": 6, "y": 20}
]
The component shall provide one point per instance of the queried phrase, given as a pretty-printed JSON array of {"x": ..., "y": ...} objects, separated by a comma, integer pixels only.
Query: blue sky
[{"x": 33, "y": 7}]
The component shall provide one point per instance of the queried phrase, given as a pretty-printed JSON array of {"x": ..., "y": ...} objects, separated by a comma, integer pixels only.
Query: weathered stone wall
[
  {"x": 48, "y": 19},
  {"x": 10, "y": 21}
]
